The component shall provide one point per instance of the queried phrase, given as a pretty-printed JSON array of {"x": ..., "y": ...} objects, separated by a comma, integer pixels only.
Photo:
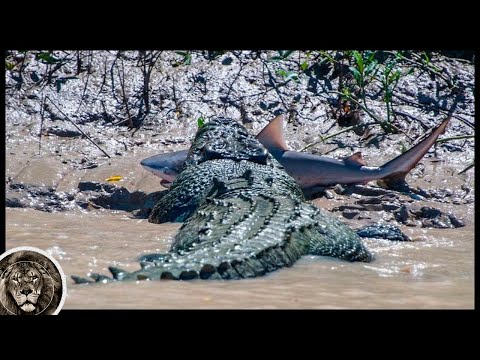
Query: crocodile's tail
[
  {"x": 177, "y": 267},
  {"x": 308, "y": 239},
  {"x": 237, "y": 235},
  {"x": 262, "y": 251}
]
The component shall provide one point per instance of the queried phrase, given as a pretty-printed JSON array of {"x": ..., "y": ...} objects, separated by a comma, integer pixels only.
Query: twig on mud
[
  {"x": 112, "y": 76},
  {"x": 322, "y": 138},
  {"x": 377, "y": 122},
  {"x": 124, "y": 95},
  {"x": 467, "y": 168},
  {"x": 149, "y": 59},
  {"x": 425, "y": 127},
  {"x": 42, "y": 110},
  {"x": 123, "y": 143},
  {"x": 274, "y": 84},
  {"x": 449, "y": 82},
  {"x": 430, "y": 107},
  {"x": 175, "y": 99},
  {"x": 88, "y": 137},
  {"x": 440, "y": 141},
  {"x": 90, "y": 56},
  {"x": 231, "y": 85}
]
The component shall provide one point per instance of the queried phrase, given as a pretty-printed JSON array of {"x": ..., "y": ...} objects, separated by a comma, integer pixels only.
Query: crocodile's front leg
[{"x": 330, "y": 237}]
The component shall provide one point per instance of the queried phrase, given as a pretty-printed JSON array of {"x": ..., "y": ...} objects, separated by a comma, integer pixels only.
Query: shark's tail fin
[{"x": 395, "y": 170}]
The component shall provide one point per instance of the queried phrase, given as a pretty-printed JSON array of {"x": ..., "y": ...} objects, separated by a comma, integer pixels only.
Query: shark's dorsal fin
[
  {"x": 355, "y": 159},
  {"x": 272, "y": 135}
]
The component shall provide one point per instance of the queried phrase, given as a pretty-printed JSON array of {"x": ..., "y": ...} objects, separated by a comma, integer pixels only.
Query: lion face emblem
[
  {"x": 25, "y": 285},
  {"x": 28, "y": 286}
]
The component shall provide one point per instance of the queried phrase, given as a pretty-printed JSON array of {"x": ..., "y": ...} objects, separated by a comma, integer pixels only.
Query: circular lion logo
[{"x": 31, "y": 283}]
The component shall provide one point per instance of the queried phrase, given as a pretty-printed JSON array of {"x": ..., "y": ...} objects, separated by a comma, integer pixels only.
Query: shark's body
[{"x": 308, "y": 170}]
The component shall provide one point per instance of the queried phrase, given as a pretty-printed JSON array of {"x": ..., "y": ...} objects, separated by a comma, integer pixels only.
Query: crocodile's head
[{"x": 223, "y": 138}]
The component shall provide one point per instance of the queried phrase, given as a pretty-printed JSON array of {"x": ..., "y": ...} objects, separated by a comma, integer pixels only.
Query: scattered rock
[
  {"x": 58, "y": 131},
  {"x": 401, "y": 215},
  {"x": 113, "y": 197},
  {"x": 382, "y": 231},
  {"x": 329, "y": 194},
  {"x": 43, "y": 198},
  {"x": 426, "y": 217},
  {"x": 350, "y": 214}
]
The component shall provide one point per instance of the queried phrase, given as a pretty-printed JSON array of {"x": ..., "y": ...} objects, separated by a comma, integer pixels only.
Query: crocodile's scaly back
[{"x": 243, "y": 215}]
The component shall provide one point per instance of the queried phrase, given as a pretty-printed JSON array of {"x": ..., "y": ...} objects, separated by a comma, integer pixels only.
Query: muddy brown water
[{"x": 435, "y": 271}]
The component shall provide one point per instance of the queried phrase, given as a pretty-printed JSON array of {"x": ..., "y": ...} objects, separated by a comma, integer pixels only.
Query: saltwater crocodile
[{"x": 244, "y": 216}]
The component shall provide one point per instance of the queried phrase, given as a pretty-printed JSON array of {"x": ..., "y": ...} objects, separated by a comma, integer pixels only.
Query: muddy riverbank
[{"x": 92, "y": 226}]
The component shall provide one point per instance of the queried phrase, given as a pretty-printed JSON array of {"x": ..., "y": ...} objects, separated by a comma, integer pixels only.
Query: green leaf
[
  {"x": 370, "y": 56},
  {"x": 399, "y": 55},
  {"x": 46, "y": 58},
  {"x": 275, "y": 58},
  {"x": 187, "y": 58},
  {"x": 282, "y": 73},
  {"x": 359, "y": 60},
  {"x": 200, "y": 122},
  {"x": 282, "y": 55},
  {"x": 394, "y": 77},
  {"x": 371, "y": 67},
  {"x": 356, "y": 75},
  {"x": 291, "y": 75},
  {"x": 389, "y": 67},
  {"x": 427, "y": 59},
  {"x": 346, "y": 92},
  {"x": 397, "y": 75},
  {"x": 9, "y": 65},
  {"x": 304, "y": 65}
]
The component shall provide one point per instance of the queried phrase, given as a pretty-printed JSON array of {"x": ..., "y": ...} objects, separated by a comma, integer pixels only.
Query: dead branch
[{"x": 83, "y": 133}]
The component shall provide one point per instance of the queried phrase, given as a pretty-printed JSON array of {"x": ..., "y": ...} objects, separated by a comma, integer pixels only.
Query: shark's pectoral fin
[{"x": 355, "y": 159}]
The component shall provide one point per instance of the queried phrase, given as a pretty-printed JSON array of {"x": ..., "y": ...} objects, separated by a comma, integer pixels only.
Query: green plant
[
  {"x": 364, "y": 69},
  {"x": 389, "y": 79},
  {"x": 186, "y": 60},
  {"x": 427, "y": 63},
  {"x": 200, "y": 122},
  {"x": 287, "y": 75},
  {"x": 9, "y": 65},
  {"x": 282, "y": 55},
  {"x": 46, "y": 57}
]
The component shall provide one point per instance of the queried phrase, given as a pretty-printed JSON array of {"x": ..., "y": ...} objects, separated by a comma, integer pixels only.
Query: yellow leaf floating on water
[{"x": 114, "y": 178}]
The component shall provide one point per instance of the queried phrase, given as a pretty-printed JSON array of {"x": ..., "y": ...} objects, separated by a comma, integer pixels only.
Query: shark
[{"x": 311, "y": 171}]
